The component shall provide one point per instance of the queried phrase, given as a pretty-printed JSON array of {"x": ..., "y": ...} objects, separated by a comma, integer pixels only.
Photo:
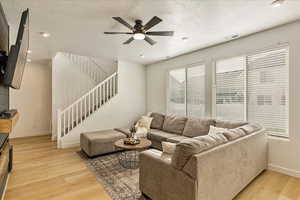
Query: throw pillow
[
  {"x": 215, "y": 130},
  {"x": 218, "y": 134},
  {"x": 168, "y": 147},
  {"x": 144, "y": 122}
]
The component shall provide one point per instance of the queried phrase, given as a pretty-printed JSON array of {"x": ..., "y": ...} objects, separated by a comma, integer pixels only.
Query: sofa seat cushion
[
  {"x": 157, "y": 120},
  {"x": 197, "y": 127},
  {"x": 105, "y": 136},
  {"x": 176, "y": 139},
  {"x": 125, "y": 131},
  {"x": 159, "y": 135},
  {"x": 174, "y": 124},
  {"x": 229, "y": 124}
]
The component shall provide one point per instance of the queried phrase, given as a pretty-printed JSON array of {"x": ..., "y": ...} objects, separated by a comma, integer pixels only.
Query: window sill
[{"x": 277, "y": 137}]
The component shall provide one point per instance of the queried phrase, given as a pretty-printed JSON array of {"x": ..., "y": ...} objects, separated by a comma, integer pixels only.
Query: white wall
[
  {"x": 68, "y": 84},
  {"x": 33, "y": 101},
  {"x": 283, "y": 153},
  {"x": 123, "y": 109}
]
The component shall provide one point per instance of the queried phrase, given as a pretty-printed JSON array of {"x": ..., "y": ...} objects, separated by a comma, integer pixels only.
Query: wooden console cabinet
[{"x": 6, "y": 125}]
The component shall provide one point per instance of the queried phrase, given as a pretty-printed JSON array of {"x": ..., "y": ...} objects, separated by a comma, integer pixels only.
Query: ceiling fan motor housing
[{"x": 138, "y": 27}]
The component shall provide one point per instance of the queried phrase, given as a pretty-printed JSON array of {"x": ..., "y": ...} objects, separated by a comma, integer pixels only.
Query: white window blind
[
  {"x": 186, "y": 91},
  {"x": 196, "y": 91},
  {"x": 267, "y": 89},
  {"x": 230, "y": 88},
  {"x": 176, "y": 92}
]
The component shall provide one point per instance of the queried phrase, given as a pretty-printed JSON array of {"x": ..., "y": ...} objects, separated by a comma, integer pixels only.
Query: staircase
[
  {"x": 88, "y": 66},
  {"x": 80, "y": 110}
]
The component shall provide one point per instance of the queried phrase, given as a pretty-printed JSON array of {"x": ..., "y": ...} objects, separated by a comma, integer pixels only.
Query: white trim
[
  {"x": 283, "y": 170},
  {"x": 185, "y": 67},
  {"x": 275, "y": 47},
  {"x": 69, "y": 144}
]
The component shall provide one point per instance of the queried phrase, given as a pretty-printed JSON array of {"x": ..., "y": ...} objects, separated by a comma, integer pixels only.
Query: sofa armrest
[
  {"x": 224, "y": 171},
  {"x": 159, "y": 179}
]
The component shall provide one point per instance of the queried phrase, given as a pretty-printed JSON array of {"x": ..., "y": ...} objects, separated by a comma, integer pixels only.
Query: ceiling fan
[{"x": 140, "y": 31}]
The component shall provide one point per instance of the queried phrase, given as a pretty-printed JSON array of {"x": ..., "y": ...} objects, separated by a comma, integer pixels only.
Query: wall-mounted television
[
  {"x": 4, "y": 39},
  {"x": 13, "y": 64},
  {"x": 17, "y": 56}
]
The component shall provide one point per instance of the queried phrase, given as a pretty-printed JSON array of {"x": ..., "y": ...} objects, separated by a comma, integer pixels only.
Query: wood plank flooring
[{"x": 42, "y": 172}]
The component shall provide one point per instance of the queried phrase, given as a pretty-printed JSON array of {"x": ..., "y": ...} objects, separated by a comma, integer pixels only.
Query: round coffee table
[{"x": 130, "y": 157}]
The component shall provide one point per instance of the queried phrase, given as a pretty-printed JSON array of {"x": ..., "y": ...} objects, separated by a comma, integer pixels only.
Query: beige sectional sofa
[{"x": 203, "y": 167}]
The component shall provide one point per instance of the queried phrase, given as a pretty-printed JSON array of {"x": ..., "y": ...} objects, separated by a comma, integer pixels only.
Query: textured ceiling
[{"x": 77, "y": 26}]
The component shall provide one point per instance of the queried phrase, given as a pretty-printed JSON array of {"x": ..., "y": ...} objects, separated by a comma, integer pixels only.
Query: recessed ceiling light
[
  {"x": 45, "y": 34},
  {"x": 184, "y": 38},
  {"x": 29, "y": 51},
  {"x": 142, "y": 56},
  {"x": 277, "y": 3},
  {"x": 28, "y": 60}
]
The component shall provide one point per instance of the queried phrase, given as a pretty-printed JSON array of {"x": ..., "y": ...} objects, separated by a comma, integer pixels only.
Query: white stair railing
[
  {"x": 82, "y": 108},
  {"x": 88, "y": 66}
]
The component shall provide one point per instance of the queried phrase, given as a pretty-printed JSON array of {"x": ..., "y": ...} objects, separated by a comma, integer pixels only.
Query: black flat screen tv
[
  {"x": 4, "y": 32},
  {"x": 17, "y": 56}
]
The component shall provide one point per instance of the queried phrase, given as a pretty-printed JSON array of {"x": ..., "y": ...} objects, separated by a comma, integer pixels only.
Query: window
[
  {"x": 264, "y": 100},
  {"x": 177, "y": 84},
  {"x": 255, "y": 88},
  {"x": 230, "y": 99},
  {"x": 186, "y": 91},
  {"x": 270, "y": 109}
]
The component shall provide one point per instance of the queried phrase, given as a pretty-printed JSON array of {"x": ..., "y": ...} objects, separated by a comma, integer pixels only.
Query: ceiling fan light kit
[
  {"x": 139, "y": 36},
  {"x": 277, "y": 3},
  {"x": 140, "y": 31}
]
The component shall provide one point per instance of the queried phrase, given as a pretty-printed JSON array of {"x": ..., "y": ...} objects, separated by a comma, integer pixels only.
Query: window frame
[
  {"x": 287, "y": 95},
  {"x": 185, "y": 67}
]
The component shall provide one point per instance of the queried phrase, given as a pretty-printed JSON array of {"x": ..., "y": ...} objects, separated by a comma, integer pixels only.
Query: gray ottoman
[{"x": 100, "y": 142}]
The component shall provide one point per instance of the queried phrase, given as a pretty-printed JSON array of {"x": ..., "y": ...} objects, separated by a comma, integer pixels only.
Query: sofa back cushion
[
  {"x": 188, "y": 147},
  {"x": 174, "y": 124},
  {"x": 229, "y": 124},
  {"x": 233, "y": 134},
  {"x": 157, "y": 121},
  {"x": 250, "y": 128},
  {"x": 197, "y": 127}
]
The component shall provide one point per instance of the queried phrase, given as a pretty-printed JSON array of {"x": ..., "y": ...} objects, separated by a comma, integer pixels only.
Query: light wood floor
[{"x": 42, "y": 172}]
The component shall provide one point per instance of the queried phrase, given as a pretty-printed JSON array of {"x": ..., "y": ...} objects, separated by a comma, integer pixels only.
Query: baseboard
[
  {"x": 32, "y": 134},
  {"x": 69, "y": 144},
  {"x": 283, "y": 170}
]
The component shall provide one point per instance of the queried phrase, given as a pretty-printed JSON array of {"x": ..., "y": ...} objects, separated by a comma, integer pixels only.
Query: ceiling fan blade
[
  {"x": 122, "y": 21},
  {"x": 128, "y": 33},
  {"x": 149, "y": 40},
  {"x": 129, "y": 40},
  {"x": 155, "y": 20},
  {"x": 161, "y": 33}
]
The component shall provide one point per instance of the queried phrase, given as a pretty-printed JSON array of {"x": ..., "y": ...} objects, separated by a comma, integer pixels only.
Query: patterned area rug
[{"x": 120, "y": 183}]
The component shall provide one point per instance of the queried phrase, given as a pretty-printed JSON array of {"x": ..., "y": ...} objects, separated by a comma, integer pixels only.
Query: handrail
[
  {"x": 99, "y": 66},
  {"x": 88, "y": 67},
  {"x": 83, "y": 107},
  {"x": 89, "y": 92}
]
